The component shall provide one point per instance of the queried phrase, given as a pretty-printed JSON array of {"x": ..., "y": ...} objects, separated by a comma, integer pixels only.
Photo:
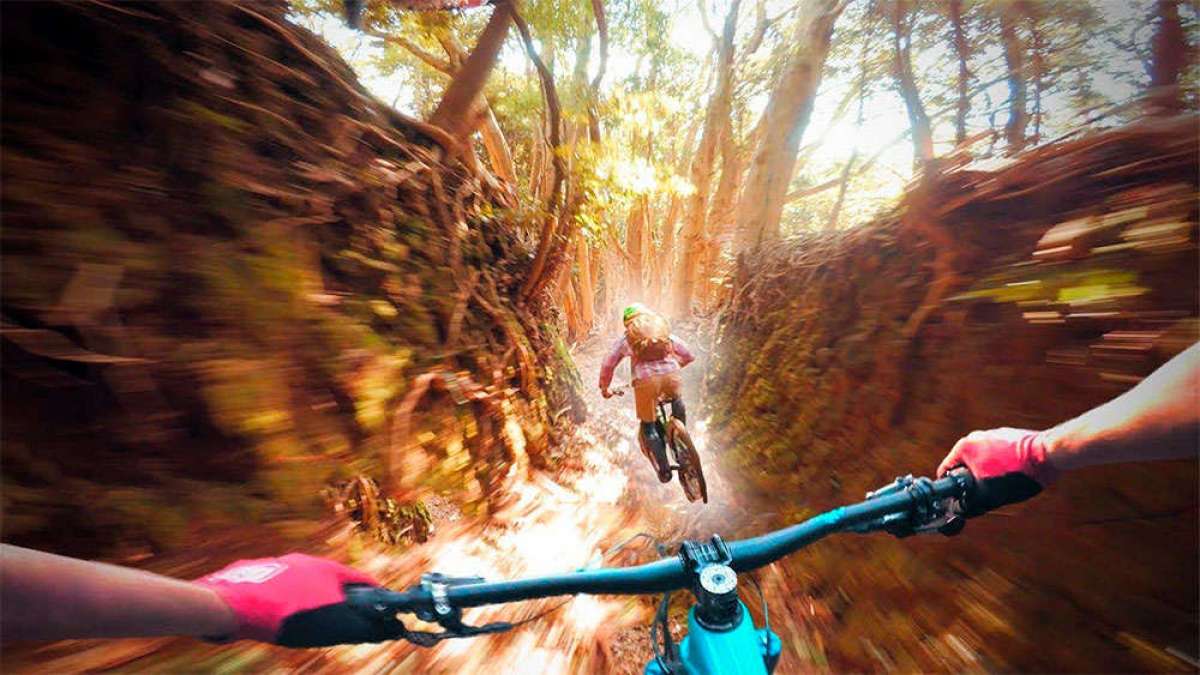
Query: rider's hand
[
  {"x": 998, "y": 452},
  {"x": 1009, "y": 466},
  {"x": 296, "y": 601},
  {"x": 605, "y": 392}
]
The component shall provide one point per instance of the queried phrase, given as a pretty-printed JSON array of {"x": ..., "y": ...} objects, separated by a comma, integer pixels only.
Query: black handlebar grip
[{"x": 992, "y": 493}]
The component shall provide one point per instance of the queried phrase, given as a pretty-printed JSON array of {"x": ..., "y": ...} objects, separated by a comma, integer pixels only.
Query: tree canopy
[{"x": 678, "y": 119}]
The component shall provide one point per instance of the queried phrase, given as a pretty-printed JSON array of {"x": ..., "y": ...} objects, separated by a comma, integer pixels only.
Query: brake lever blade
[{"x": 427, "y": 639}]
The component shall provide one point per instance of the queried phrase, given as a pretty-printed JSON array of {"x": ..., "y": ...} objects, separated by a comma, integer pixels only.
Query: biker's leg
[
  {"x": 673, "y": 389},
  {"x": 649, "y": 436},
  {"x": 678, "y": 410},
  {"x": 645, "y": 396}
]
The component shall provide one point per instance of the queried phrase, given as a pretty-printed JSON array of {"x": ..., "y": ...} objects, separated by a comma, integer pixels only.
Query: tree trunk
[
  {"x": 666, "y": 251},
  {"x": 721, "y": 216},
  {"x": 785, "y": 118},
  {"x": 635, "y": 238},
  {"x": 906, "y": 83},
  {"x": 538, "y": 272},
  {"x": 1037, "y": 64},
  {"x": 962, "y": 49},
  {"x": 594, "y": 94},
  {"x": 1171, "y": 53},
  {"x": 587, "y": 287},
  {"x": 694, "y": 237},
  {"x": 611, "y": 267},
  {"x": 569, "y": 300},
  {"x": 538, "y": 174},
  {"x": 496, "y": 146},
  {"x": 681, "y": 153},
  {"x": 725, "y": 199},
  {"x": 494, "y": 143},
  {"x": 563, "y": 243},
  {"x": 761, "y": 24},
  {"x": 1014, "y": 57},
  {"x": 454, "y": 112},
  {"x": 597, "y": 256}
]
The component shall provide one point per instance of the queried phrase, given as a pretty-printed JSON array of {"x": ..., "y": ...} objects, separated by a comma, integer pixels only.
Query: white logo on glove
[{"x": 250, "y": 574}]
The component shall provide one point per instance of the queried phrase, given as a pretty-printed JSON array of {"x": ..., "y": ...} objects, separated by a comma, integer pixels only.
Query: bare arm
[
  {"x": 50, "y": 597},
  {"x": 1157, "y": 419},
  {"x": 609, "y": 365}
]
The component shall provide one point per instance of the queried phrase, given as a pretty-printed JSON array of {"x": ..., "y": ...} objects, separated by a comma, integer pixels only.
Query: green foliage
[{"x": 1078, "y": 287}]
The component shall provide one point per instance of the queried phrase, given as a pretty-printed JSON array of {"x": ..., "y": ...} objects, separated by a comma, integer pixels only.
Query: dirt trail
[{"x": 606, "y": 494}]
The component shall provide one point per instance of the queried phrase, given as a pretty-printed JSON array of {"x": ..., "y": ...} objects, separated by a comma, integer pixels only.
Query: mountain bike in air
[
  {"x": 681, "y": 456},
  {"x": 722, "y": 637}
]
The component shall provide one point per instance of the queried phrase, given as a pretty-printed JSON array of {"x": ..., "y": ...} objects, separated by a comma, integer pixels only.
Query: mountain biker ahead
[{"x": 656, "y": 357}]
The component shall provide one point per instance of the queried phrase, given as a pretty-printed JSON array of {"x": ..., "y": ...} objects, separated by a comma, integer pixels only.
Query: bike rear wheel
[{"x": 691, "y": 473}]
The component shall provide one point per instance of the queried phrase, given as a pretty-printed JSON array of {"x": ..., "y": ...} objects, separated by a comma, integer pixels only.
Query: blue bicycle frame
[
  {"x": 744, "y": 650},
  {"x": 721, "y": 636}
]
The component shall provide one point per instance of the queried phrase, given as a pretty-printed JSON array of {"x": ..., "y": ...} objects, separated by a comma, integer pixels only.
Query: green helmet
[{"x": 633, "y": 310}]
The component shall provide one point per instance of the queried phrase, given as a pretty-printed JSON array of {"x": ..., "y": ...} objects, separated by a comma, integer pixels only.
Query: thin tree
[
  {"x": 785, "y": 119},
  {"x": 594, "y": 89},
  {"x": 455, "y": 112},
  {"x": 1170, "y": 56},
  {"x": 542, "y": 269},
  {"x": 1037, "y": 53},
  {"x": 587, "y": 285},
  {"x": 637, "y": 237},
  {"x": 494, "y": 141},
  {"x": 906, "y": 82},
  {"x": 693, "y": 237},
  {"x": 1014, "y": 58},
  {"x": 962, "y": 50}
]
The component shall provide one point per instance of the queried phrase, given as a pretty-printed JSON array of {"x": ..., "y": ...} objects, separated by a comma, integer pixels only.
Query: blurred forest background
[{"x": 273, "y": 281}]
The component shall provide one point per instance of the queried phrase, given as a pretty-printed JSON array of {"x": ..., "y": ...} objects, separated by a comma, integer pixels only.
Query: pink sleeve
[
  {"x": 682, "y": 352},
  {"x": 619, "y": 351}
]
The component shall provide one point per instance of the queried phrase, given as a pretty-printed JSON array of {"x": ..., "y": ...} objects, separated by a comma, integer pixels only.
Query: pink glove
[
  {"x": 297, "y": 601},
  {"x": 998, "y": 452}
]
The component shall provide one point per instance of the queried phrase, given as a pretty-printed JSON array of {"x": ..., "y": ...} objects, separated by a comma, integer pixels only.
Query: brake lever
[
  {"x": 926, "y": 517},
  {"x": 433, "y": 585}
]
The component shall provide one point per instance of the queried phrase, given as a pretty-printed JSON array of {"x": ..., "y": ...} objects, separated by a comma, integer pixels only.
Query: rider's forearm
[
  {"x": 607, "y": 369},
  {"x": 49, "y": 597},
  {"x": 1157, "y": 419}
]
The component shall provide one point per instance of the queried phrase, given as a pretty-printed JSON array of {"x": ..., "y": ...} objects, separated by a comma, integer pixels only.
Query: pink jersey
[{"x": 680, "y": 357}]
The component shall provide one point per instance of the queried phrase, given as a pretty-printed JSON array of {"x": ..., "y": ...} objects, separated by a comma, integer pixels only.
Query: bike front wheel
[{"x": 691, "y": 473}]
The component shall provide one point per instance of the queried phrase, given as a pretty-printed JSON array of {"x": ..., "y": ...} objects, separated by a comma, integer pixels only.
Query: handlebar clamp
[
  {"x": 714, "y": 582},
  {"x": 697, "y": 555}
]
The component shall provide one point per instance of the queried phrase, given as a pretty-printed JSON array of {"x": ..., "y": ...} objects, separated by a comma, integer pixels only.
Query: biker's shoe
[
  {"x": 651, "y": 439},
  {"x": 678, "y": 411}
]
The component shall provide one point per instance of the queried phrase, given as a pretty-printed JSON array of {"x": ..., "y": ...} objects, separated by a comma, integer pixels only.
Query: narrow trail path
[
  {"x": 569, "y": 522},
  {"x": 606, "y": 494}
]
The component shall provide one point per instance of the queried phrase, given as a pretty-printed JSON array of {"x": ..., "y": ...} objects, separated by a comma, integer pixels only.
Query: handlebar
[{"x": 909, "y": 505}]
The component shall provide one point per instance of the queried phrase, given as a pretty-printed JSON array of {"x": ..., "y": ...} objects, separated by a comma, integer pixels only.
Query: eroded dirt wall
[
  {"x": 1072, "y": 274},
  {"x": 226, "y": 271}
]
